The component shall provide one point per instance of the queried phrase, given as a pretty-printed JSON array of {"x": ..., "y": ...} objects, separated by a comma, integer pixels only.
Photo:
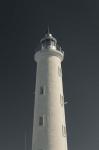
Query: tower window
[
  {"x": 63, "y": 130},
  {"x": 41, "y": 90},
  {"x": 61, "y": 99},
  {"x": 41, "y": 120},
  {"x": 59, "y": 71}
]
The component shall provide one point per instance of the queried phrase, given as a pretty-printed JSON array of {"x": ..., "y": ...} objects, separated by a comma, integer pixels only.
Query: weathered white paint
[{"x": 49, "y": 136}]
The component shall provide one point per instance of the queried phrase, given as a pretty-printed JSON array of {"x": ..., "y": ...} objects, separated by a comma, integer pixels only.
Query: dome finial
[{"x": 48, "y": 31}]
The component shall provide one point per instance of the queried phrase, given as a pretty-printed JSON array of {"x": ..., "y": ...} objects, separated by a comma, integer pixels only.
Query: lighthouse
[{"x": 49, "y": 126}]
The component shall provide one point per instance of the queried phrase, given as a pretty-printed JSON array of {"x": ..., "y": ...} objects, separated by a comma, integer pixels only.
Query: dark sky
[{"x": 75, "y": 24}]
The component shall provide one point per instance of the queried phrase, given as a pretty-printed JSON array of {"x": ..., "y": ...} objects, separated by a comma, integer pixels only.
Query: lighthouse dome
[{"x": 48, "y": 41}]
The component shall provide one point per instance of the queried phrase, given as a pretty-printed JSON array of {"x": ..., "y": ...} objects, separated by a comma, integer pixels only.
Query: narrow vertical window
[
  {"x": 41, "y": 90},
  {"x": 41, "y": 121},
  {"x": 61, "y": 99},
  {"x": 59, "y": 71},
  {"x": 63, "y": 130}
]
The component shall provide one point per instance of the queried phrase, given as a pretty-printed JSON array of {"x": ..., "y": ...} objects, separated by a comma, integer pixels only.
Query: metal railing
[{"x": 39, "y": 48}]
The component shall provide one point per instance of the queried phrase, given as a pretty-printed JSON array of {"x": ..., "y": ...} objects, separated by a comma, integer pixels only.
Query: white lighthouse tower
[{"x": 49, "y": 127}]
